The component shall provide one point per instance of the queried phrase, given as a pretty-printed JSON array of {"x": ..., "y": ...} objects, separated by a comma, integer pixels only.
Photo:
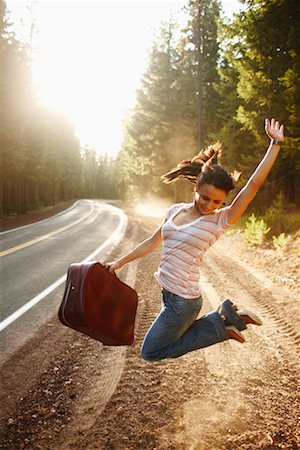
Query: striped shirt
[{"x": 183, "y": 249}]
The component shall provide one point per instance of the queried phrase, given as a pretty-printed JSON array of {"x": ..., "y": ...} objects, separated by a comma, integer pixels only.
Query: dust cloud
[{"x": 153, "y": 207}]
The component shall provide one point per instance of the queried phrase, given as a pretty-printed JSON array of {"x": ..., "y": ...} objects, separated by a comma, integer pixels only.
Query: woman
[{"x": 188, "y": 231}]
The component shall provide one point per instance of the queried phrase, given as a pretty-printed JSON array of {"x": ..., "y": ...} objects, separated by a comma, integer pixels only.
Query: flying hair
[
  {"x": 190, "y": 169},
  {"x": 204, "y": 168}
]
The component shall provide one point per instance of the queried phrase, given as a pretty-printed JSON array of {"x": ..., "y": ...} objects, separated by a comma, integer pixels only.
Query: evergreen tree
[
  {"x": 199, "y": 54},
  {"x": 175, "y": 110},
  {"x": 153, "y": 120},
  {"x": 16, "y": 89},
  {"x": 40, "y": 155},
  {"x": 262, "y": 62}
]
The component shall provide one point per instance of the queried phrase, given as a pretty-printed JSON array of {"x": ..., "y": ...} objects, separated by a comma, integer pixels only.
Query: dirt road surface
[{"x": 64, "y": 391}]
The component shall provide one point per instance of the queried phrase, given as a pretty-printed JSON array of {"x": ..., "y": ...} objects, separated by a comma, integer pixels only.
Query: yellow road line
[{"x": 45, "y": 236}]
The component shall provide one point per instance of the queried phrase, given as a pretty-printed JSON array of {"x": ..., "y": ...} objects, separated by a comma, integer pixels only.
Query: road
[
  {"x": 34, "y": 260},
  {"x": 62, "y": 390}
]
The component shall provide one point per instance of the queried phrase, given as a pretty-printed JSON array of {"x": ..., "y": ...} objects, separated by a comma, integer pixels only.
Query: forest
[{"x": 215, "y": 79}]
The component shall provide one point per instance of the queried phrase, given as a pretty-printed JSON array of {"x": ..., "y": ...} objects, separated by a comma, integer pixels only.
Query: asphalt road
[{"x": 34, "y": 260}]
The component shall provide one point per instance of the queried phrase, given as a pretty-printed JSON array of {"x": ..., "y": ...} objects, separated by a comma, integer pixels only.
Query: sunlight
[{"x": 88, "y": 58}]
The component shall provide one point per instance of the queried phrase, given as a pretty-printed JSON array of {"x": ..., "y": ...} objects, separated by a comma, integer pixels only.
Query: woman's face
[{"x": 208, "y": 198}]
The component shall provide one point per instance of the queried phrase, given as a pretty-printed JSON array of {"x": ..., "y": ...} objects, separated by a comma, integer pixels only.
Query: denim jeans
[{"x": 176, "y": 330}]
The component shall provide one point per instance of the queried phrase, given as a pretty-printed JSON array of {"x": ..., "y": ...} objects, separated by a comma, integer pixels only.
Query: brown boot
[
  {"x": 234, "y": 333},
  {"x": 249, "y": 317}
]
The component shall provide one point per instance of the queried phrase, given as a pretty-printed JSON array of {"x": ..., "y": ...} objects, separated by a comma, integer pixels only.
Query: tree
[
  {"x": 199, "y": 54},
  {"x": 16, "y": 90},
  {"x": 174, "y": 114},
  {"x": 40, "y": 155},
  {"x": 258, "y": 79},
  {"x": 151, "y": 125}
]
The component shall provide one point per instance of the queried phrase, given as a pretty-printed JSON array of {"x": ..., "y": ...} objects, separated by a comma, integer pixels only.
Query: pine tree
[
  {"x": 40, "y": 155},
  {"x": 263, "y": 61},
  {"x": 151, "y": 125},
  {"x": 199, "y": 54}
]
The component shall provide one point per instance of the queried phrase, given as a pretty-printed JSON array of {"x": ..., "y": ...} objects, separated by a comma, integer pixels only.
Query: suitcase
[{"x": 98, "y": 304}]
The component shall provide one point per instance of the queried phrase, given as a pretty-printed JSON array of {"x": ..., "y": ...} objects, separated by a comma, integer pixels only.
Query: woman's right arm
[{"x": 145, "y": 247}]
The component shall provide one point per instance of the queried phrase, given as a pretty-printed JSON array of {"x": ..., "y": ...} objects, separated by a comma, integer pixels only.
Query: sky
[{"x": 89, "y": 57}]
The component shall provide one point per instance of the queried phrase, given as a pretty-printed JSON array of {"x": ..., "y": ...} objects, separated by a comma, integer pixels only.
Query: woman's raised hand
[{"x": 274, "y": 129}]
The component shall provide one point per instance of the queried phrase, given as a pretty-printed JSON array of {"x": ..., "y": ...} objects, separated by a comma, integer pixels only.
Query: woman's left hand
[{"x": 274, "y": 130}]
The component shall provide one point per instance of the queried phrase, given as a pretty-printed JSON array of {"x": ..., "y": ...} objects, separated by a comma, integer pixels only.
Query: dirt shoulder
[
  {"x": 13, "y": 221},
  {"x": 84, "y": 395}
]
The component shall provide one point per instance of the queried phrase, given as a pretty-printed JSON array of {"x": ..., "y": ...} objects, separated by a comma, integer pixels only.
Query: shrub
[
  {"x": 281, "y": 242},
  {"x": 279, "y": 217},
  {"x": 255, "y": 230}
]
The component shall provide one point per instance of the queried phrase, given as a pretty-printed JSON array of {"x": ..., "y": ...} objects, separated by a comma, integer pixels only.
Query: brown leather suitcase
[{"x": 99, "y": 304}]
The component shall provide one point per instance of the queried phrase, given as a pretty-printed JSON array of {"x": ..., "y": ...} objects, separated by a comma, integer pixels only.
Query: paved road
[{"x": 35, "y": 257}]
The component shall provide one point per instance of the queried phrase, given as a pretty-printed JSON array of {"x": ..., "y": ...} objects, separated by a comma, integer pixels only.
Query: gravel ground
[{"x": 62, "y": 390}]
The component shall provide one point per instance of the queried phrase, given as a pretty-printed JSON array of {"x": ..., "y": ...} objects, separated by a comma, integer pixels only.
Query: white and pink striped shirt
[{"x": 183, "y": 249}]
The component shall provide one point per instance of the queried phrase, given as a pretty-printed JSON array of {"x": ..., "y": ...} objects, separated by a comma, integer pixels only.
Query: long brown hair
[{"x": 204, "y": 168}]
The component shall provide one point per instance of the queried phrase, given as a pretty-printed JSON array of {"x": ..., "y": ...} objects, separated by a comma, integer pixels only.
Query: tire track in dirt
[
  {"x": 234, "y": 407},
  {"x": 261, "y": 293},
  {"x": 61, "y": 386},
  {"x": 92, "y": 403},
  {"x": 126, "y": 416},
  {"x": 228, "y": 396},
  {"x": 140, "y": 413},
  {"x": 249, "y": 398}
]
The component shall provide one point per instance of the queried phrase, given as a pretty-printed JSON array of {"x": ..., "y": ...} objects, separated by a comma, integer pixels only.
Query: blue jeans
[{"x": 176, "y": 330}]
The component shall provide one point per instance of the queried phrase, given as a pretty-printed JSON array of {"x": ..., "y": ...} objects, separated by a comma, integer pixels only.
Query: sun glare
[{"x": 89, "y": 57}]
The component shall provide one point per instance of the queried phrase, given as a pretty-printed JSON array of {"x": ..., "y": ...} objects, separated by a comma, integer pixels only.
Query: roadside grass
[{"x": 276, "y": 229}]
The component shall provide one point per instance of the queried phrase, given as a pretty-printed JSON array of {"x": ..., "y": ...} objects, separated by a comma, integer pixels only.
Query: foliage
[
  {"x": 255, "y": 230},
  {"x": 218, "y": 82},
  {"x": 176, "y": 102},
  {"x": 150, "y": 126},
  {"x": 211, "y": 80},
  {"x": 281, "y": 242},
  {"x": 259, "y": 77},
  {"x": 42, "y": 162},
  {"x": 280, "y": 218},
  {"x": 197, "y": 67}
]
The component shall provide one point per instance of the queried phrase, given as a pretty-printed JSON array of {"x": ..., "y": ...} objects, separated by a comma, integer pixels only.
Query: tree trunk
[{"x": 199, "y": 80}]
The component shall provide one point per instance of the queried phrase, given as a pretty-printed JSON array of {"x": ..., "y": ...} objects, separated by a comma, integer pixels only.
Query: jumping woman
[{"x": 187, "y": 233}]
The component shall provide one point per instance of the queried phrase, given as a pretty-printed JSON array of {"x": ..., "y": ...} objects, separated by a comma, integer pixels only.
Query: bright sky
[{"x": 90, "y": 55}]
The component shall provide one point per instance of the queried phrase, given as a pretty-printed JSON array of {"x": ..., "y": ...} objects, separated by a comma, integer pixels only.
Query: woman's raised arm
[{"x": 275, "y": 131}]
